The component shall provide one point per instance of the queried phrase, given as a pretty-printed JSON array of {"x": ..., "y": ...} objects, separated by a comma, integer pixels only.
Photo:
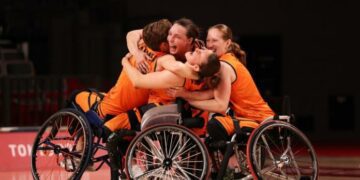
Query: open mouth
[{"x": 212, "y": 49}]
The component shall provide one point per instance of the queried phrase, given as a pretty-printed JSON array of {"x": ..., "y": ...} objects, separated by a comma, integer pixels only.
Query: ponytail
[{"x": 238, "y": 52}]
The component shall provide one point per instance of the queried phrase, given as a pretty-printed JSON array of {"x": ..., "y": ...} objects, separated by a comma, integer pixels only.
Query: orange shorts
[
  {"x": 130, "y": 119},
  {"x": 84, "y": 101},
  {"x": 228, "y": 124}
]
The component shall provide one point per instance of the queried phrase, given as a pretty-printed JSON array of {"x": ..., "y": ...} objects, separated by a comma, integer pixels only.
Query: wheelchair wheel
[
  {"x": 278, "y": 150},
  {"x": 167, "y": 152},
  {"x": 62, "y": 146}
]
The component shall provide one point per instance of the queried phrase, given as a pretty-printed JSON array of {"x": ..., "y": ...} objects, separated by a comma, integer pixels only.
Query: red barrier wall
[
  {"x": 15, "y": 156},
  {"x": 15, "y": 150}
]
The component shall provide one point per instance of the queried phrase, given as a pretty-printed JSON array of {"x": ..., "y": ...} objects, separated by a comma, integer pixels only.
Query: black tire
[
  {"x": 167, "y": 152},
  {"x": 57, "y": 150},
  {"x": 278, "y": 150}
]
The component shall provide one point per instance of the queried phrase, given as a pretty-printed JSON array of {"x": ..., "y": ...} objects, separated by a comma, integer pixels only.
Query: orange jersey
[
  {"x": 160, "y": 96},
  {"x": 245, "y": 98},
  {"x": 193, "y": 85},
  {"x": 124, "y": 96}
]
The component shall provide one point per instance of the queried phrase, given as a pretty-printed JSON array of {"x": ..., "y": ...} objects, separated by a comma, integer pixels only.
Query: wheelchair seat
[{"x": 161, "y": 114}]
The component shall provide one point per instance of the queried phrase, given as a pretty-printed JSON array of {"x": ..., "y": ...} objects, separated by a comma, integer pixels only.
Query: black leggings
[{"x": 217, "y": 131}]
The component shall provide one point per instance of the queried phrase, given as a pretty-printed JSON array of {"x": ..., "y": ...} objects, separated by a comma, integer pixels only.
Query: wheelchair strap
[
  {"x": 133, "y": 118},
  {"x": 216, "y": 114},
  {"x": 199, "y": 113},
  {"x": 71, "y": 102},
  {"x": 97, "y": 92},
  {"x": 236, "y": 122},
  {"x": 94, "y": 106},
  {"x": 134, "y": 123},
  {"x": 236, "y": 126}
]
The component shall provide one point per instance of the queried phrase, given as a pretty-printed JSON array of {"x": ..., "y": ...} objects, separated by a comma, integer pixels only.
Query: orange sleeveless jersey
[
  {"x": 124, "y": 96},
  {"x": 160, "y": 96},
  {"x": 245, "y": 98},
  {"x": 192, "y": 85}
]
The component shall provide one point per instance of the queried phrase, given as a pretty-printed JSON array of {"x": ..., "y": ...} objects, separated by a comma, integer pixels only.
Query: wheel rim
[
  {"x": 167, "y": 153},
  {"x": 280, "y": 151},
  {"x": 59, "y": 148}
]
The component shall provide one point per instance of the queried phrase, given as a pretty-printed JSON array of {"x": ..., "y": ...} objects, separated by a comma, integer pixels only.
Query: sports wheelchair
[
  {"x": 68, "y": 142},
  {"x": 65, "y": 146},
  {"x": 164, "y": 149}
]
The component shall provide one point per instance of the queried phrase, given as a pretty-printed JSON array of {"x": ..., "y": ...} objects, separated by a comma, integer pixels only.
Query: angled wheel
[
  {"x": 167, "y": 152},
  {"x": 62, "y": 146},
  {"x": 278, "y": 150}
]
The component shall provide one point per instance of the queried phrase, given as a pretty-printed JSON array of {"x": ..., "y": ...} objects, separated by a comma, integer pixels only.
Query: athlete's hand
[
  {"x": 176, "y": 91},
  {"x": 126, "y": 58},
  {"x": 141, "y": 62},
  {"x": 199, "y": 44}
]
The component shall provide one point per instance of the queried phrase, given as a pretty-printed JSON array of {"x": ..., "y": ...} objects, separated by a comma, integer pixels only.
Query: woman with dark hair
[
  {"x": 202, "y": 61},
  {"x": 182, "y": 37}
]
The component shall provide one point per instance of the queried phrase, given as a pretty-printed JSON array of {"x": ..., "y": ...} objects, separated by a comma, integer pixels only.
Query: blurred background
[{"x": 307, "y": 50}]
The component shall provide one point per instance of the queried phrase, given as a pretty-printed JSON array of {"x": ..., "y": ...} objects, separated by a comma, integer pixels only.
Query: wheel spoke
[
  {"x": 171, "y": 153},
  {"x": 54, "y": 154},
  {"x": 290, "y": 156},
  {"x": 154, "y": 149}
]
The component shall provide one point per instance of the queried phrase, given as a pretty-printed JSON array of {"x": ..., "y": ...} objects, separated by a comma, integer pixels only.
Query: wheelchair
[
  {"x": 278, "y": 150},
  {"x": 66, "y": 144},
  {"x": 165, "y": 149}
]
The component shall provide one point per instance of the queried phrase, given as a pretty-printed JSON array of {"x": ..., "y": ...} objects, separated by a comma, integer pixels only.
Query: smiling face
[
  {"x": 198, "y": 57},
  {"x": 216, "y": 42},
  {"x": 179, "y": 43}
]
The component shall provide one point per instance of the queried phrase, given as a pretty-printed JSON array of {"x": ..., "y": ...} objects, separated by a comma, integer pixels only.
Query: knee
[
  {"x": 216, "y": 130},
  {"x": 212, "y": 123}
]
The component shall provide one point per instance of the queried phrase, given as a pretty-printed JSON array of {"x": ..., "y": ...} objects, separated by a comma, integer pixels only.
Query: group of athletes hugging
[{"x": 167, "y": 60}]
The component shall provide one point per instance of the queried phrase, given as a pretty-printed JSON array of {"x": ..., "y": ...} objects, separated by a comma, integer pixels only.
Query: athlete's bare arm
[
  {"x": 169, "y": 63},
  {"x": 156, "y": 80},
  {"x": 222, "y": 92},
  {"x": 132, "y": 39},
  {"x": 191, "y": 95}
]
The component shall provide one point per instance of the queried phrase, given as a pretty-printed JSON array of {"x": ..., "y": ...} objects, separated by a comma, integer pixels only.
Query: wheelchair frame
[{"x": 255, "y": 156}]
